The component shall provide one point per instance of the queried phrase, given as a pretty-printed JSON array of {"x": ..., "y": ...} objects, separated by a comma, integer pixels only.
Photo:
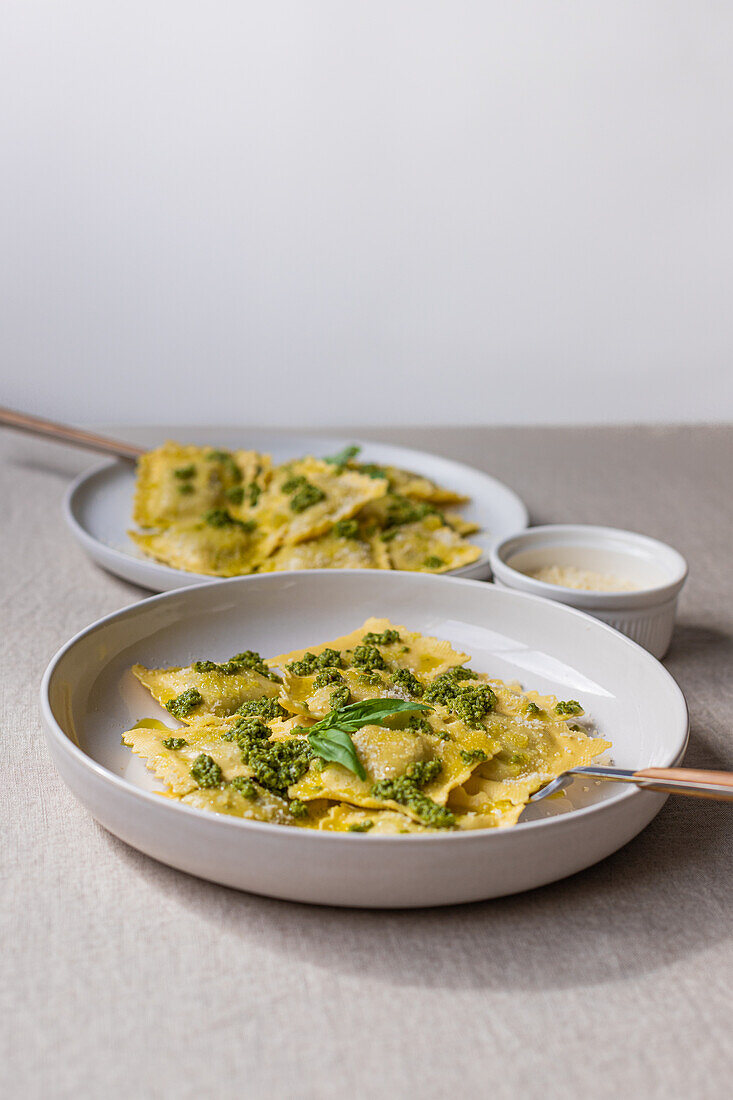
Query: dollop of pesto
[
  {"x": 327, "y": 676},
  {"x": 276, "y": 764},
  {"x": 346, "y": 529},
  {"x": 406, "y": 790},
  {"x": 206, "y": 771},
  {"x": 235, "y": 494},
  {"x": 570, "y": 706},
  {"x": 228, "y": 462},
  {"x": 419, "y": 724},
  {"x": 219, "y": 517},
  {"x": 433, "y": 562},
  {"x": 362, "y": 826},
  {"x": 246, "y": 787},
  {"x": 264, "y": 707},
  {"x": 370, "y": 678},
  {"x": 185, "y": 489},
  {"x": 175, "y": 742},
  {"x": 247, "y": 659},
  {"x": 306, "y": 497},
  {"x": 471, "y": 704},
  {"x": 298, "y": 808},
  {"x": 183, "y": 704},
  {"x": 339, "y": 698},
  {"x": 254, "y": 491},
  {"x": 184, "y": 473},
  {"x": 370, "y": 469},
  {"x": 387, "y": 637},
  {"x": 310, "y": 663},
  {"x": 408, "y": 680},
  {"x": 402, "y": 510},
  {"x": 532, "y": 709},
  {"x": 473, "y": 756},
  {"x": 368, "y": 657}
]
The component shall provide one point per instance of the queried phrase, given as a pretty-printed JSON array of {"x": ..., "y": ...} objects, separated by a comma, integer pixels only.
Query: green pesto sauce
[
  {"x": 346, "y": 529},
  {"x": 253, "y": 492},
  {"x": 362, "y": 826},
  {"x": 370, "y": 679},
  {"x": 419, "y": 724},
  {"x": 471, "y": 704},
  {"x": 327, "y": 676},
  {"x": 264, "y": 707},
  {"x": 219, "y": 517},
  {"x": 298, "y": 808},
  {"x": 227, "y": 461},
  {"x": 408, "y": 680},
  {"x": 206, "y": 771},
  {"x": 369, "y": 658},
  {"x": 370, "y": 469},
  {"x": 402, "y": 510},
  {"x": 183, "y": 704},
  {"x": 310, "y": 663},
  {"x": 184, "y": 473},
  {"x": 339, "y": 698},
  {"x": 276, "y": 764},
  {"x": 306, "y": 497},
  {"x": 248, "y": 659},
  {"x": 246, "y": 787},
  {"x": 433, "y": 562},
  {"x": 406, "y": 791},
  {"x": 387, "y": 637},
  {"x": 175, "y": 742},
  {"x": 532, "y": 710},
  {"x": 186, "y": 489},
  {"x": 473, "y": 756},
  {"x": 571, "y": 706},
  {"x": 235, "y": 494}
]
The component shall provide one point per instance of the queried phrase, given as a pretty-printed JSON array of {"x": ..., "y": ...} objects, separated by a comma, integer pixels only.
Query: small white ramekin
[{"x": 646, "y": 614}]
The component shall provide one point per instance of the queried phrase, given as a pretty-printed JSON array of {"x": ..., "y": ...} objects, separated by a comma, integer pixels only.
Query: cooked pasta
[
  {"x": 229, "y": 513},
  {"x": 383, "y": 730}
]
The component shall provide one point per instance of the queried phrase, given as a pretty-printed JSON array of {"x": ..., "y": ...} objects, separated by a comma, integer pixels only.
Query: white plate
[
  {"x": 98, "y": 506},
  {"x": 90, "y": 698}
]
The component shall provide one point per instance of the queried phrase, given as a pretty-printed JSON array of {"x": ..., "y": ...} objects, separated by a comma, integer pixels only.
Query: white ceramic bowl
[
  {"x": 646, "y": 614},
  {"x": 89, "y": 697}
]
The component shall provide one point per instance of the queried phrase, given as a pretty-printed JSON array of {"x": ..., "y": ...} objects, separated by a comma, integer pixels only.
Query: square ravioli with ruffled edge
[
  {"x": 242, "y": 683},
  {"x": 179, "y": 483},
  {"x": 382, "y": 730},
  {"x": 307, "y": 498}
]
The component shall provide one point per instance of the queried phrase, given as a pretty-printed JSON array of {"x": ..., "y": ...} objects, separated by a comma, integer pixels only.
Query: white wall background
[{"x": 371, "y": 211}]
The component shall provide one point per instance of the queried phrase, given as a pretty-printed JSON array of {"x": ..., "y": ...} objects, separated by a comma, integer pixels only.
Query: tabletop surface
[{"x": 122, "y": 977}]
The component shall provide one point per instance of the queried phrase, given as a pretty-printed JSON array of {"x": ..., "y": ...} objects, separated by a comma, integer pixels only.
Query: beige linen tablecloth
[{"x": 123, "y": 978}]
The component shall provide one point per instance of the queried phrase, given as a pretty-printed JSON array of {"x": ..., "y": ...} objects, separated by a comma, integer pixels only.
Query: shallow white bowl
[
  {"x": 89, "y": 697},
  {"x": 646, "y": 614},
  {"x": 98, "y": 505}
]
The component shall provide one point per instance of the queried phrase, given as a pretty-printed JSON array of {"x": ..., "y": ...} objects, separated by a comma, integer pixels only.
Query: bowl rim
[
  {"x": 556, "y": 534},
  {"x": 58, "y": 738}
]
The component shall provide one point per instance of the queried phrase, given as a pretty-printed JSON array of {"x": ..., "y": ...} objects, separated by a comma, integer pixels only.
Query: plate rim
[
  {"x": 93, "y": 545},
  {"x": 54, "y": 733}
]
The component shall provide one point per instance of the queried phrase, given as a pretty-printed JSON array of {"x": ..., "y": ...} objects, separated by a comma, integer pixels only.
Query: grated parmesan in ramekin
[{"x": 568, "y": 576}]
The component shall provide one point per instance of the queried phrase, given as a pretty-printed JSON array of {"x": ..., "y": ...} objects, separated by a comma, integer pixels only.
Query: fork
[{"x": 700, "y": 784}]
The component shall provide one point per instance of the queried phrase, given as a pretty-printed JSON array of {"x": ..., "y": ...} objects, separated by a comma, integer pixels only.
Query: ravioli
[
  {"x": 179, "y": 484},
  {"x": 230, "y": 513},
  {"x": 429, "y": 545},
  {"x": 199, "y": 547},
  {"x": 463, "y": 751},
  {"x": 221, "y": 692},
  {"x": 426, "y": 656},
  {"x": 173, "y": 765},
  {"x": 330, "y": 551}
]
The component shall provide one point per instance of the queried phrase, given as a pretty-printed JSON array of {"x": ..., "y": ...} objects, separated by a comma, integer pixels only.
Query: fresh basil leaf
[
  {"x": 367, "y": 712},
  {"x": 344, "y": 456},
  {"x": 335, "y": 745}
]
